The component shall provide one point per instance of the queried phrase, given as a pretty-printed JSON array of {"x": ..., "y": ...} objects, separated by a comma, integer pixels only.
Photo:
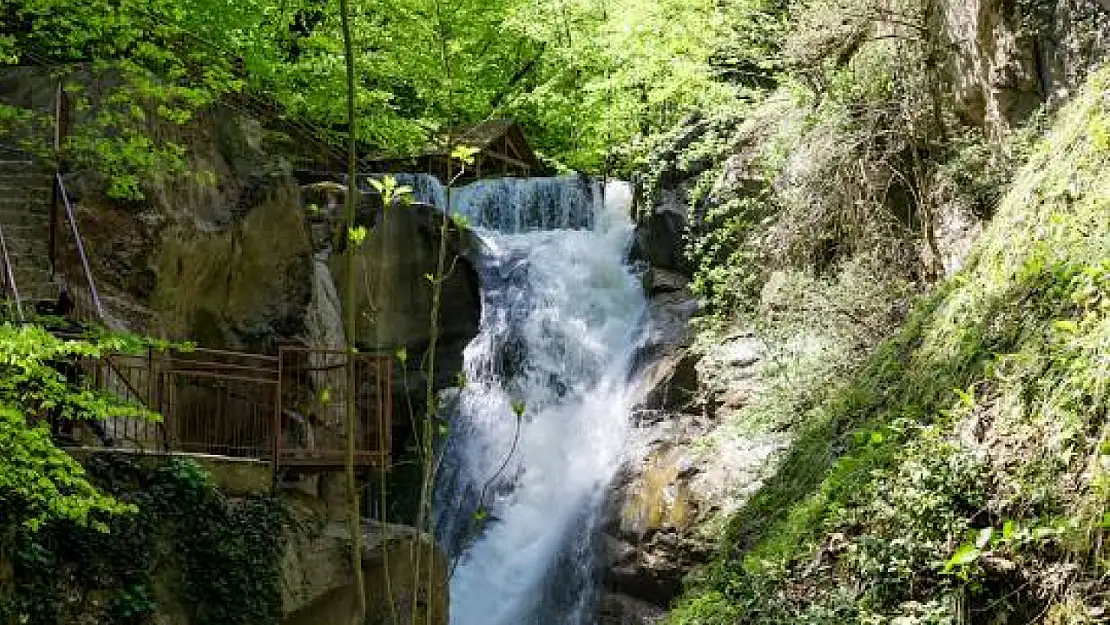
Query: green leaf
[
  {"x": 966, "y": 554},
  {"x": 1066, "y": 326},
  {"x": 357, "y": 235},
  {"x": 464, "y": 154}
]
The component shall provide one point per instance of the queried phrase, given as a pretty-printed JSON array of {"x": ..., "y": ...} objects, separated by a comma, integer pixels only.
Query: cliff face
[
  {"x": 1009, "y": 58},
  {"x": 730, "y": 511}
]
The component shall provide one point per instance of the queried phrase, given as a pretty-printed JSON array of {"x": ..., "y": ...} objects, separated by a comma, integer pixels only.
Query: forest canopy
[{"x": 581, "y": 75}]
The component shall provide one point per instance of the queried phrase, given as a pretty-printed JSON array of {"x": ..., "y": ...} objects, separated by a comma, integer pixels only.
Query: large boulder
[
  {"x": 393, "y": 290},
  {"x": 404, "y": 576},
  {"x": 659, "y": 238},
  {"x": 403, "y": 569},
  {"x": 689, "y": 469}
]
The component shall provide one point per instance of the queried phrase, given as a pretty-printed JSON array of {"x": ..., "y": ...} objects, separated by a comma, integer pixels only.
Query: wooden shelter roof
[{"x": 501, "y": 140}]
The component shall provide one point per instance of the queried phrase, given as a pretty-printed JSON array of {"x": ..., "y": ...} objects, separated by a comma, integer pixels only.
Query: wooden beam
[
  {"x": 507, "y": 159},
  {"x": 512, "y": 147}
]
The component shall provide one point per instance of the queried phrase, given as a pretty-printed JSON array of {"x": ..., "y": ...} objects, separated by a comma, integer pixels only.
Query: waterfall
[
  {"x": 514, "y": 205},
  {"x": 561, "y": 317},
  {"x": 323, "y": 329},
  {"x": 324, "y": 319}
]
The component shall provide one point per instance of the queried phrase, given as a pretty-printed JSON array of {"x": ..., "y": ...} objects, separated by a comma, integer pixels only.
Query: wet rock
[
  {"x": 618, "y": 609},
  {"x": 658, "y": 240},
  {"x": 673, "y": 382},
  {"x": 316, "y": 581},
  {"x": 662, "y": 281},
  {"x": 690, "y": 469}
]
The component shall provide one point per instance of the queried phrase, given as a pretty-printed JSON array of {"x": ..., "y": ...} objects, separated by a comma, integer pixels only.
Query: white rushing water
[{"x": 561, "y": 320}]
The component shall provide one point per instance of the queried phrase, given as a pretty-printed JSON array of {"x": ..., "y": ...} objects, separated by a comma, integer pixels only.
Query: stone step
[
  {"x": 33, "y": 256},
  {"x": 20, "y": 204},
  {"x": 23, "y": 225},
  {"x": 32, "y": 266},
  {"x": 17, "y": 173},
  {"x": 40, "y": 197},
  {"x": 37, "y": 200},
  {"x": 10, "y": 184},
  {"x": 22, "y": 165},
  {"x": 20, "y": 173},
  {"x": 22, "y": 248},
  {"x": 37, "y": 230},
  {"x": 24, "y": 183},
  {"x": 21, "y": 212},
  {"x": 40, "y": 293},
  {"x": 30, "y": 278}
]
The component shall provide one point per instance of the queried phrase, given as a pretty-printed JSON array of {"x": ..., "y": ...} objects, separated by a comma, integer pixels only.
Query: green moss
[
  {"x": 188, "y": 553},
  {"x": 970, "y": 452}
]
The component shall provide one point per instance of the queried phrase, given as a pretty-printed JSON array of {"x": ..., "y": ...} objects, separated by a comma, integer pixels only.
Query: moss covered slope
[{"x": 964, "y": 475}]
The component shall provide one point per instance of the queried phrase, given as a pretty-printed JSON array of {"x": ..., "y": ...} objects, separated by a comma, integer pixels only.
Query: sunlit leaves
[
  {"x": 357, "y": 235},
  {"x": 464, "y": 154},
  {"x": 390, "y": 190},
  {"x": 38, "y": 481}
]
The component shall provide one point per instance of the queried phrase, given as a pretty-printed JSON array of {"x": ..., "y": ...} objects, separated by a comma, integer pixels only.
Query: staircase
[{"x": 25, "y": 207}]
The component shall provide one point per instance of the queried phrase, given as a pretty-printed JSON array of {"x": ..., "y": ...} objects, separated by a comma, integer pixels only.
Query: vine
[{"x": 224, "y": 554}]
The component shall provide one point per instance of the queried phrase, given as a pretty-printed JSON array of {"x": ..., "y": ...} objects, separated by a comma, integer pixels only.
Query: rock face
[
  {"x": 252, "y": 261},
  {"x": 404, "y": 573},
  {"x": 658, "y": 239},
  {"x": 1009, "y": 59},
  {"x": 687, "y": 469},
  {"x": 393, "y": 291}
]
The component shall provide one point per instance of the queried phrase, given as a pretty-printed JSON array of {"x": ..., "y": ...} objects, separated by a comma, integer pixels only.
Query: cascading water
[{"x": 519, "y": 498}]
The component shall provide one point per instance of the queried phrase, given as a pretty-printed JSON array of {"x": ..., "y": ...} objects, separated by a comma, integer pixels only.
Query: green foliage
[
  {"x": 819, "y": 331},
  {"x": 163, "y": 62},
  {"x": 227, "y": 552},
  {"x": 39, "y": 482},
  {"x": 583, "y": 75},
  {"x": 963, "y": 467}
]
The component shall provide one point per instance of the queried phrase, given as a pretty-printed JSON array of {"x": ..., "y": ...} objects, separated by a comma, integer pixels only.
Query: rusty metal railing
[
  {"x": 287, "y": 409},
  {"x": 11, "y": 289},
  {"x": 95, "y": 308},
  {"x": 315, "y": 392}
]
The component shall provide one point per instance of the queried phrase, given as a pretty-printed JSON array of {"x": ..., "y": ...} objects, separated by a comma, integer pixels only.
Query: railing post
[
  {"x": 9, "y": 277},
  {"x": 275, "y": 460}
]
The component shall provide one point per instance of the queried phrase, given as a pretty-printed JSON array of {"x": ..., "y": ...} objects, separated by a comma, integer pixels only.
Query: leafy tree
[{"x": 38, "y": 481}]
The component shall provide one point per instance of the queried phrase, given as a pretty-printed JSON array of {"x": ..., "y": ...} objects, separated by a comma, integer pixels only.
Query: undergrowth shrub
[
  {"x": 960, "y": 475},
  {"x": 225, "y": 554},
  {"x": 818, "y": 330}
]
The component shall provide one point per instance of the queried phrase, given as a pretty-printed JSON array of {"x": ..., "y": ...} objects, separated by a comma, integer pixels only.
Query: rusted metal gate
[{"x": 288, "y": 409}]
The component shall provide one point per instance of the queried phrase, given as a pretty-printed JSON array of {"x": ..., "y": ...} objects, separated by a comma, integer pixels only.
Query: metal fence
[{"x": 288, "y": 409}]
